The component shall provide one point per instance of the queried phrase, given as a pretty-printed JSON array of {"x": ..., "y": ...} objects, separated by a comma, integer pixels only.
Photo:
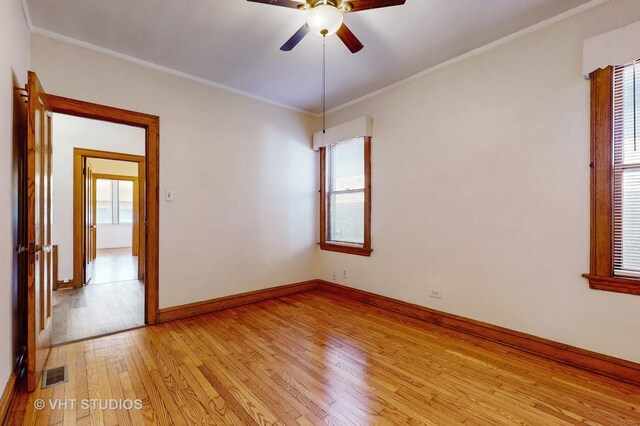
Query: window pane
[
  {"x": 103, "y": 201},
  {"x": 347, "y": 217},
  {"x": 631, "y": 110},
  {"x": 629, "y": 261},
  {"x": 346, "y": 164},
  {"x": 626, "y": 179},
  {"x": 125, "y": 201}
]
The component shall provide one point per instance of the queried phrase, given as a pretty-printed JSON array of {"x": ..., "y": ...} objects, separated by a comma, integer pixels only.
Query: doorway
[
  {"x": 101, "y": 243},
  {"x": 35, "y": 316}
]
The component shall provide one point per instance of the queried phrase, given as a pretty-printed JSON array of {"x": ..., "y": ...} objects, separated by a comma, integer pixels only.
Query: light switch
[{"x": 168, "y": 195}]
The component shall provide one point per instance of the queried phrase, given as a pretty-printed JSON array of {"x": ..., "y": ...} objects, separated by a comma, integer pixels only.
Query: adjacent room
[
  {"x": 305, "y": 212},
  {"x": 99, "y": 284}
]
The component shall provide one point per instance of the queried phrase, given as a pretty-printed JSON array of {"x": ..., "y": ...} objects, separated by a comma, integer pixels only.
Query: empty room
[{"x": 305, "y": 212}]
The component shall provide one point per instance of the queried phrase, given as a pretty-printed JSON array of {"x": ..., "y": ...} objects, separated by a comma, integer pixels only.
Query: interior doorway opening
[
  {"x": 116, "y": 207},
  {"x": 37, "y": 261},
  {"x": 101, "y": 241}
]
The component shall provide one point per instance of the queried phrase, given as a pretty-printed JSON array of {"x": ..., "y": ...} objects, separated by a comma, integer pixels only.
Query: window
[
  {"x": 615, "y": 179},
  {"x": 104, "y": 204},
  {"x": 125, "y": 201},
  {"x": 114, "y": 201},
  {"x": 345, "y": 202}
]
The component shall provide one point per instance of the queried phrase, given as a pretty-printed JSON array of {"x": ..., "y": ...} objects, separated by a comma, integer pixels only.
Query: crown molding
[
  {"x": 27, "y": 14},
  {"x": 174, "y": 72}
]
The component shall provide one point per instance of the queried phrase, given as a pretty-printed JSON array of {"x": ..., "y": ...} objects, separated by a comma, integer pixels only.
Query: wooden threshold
[
  {"x": 615, "y": 368},
  {"x": 197, "y": 308}
]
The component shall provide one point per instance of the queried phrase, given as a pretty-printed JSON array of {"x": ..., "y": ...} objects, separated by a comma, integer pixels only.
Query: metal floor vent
[{"x": 54, "y": 376}]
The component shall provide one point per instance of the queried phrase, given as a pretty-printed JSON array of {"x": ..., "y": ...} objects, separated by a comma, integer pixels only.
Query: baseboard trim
[
  {"x": 7, "y": 396},
  {"x": 197, "y": 308},
  {"x": 615, "y": 368},
  {"x": 62, "y": 285}
]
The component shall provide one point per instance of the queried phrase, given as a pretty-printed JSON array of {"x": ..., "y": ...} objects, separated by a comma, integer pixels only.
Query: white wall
[
  {"x": 114, "y": 236},
  {"x": 109, "y": 235},
  {"x": 243, "y": 175},
  {"x": 480, "y": 184},
  {"x": 73, "y": 132},
  {"x": 114, "y": 167},
  {"x": 14, "y": 62}
]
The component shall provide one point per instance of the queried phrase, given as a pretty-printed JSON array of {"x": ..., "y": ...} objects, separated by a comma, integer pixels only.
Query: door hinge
[{"x": 21, "y": 249}]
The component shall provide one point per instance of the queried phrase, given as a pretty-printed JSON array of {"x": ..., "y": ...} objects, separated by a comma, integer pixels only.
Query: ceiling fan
[{"x": 325, "y": 17}]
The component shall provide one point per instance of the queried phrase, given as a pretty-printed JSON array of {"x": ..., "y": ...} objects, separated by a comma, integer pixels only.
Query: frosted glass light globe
[{"x": 324, "y": 20}]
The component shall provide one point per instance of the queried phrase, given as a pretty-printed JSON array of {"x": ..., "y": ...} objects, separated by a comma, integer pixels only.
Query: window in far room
[
  {"x": 114, "y": 201},
  {"x": 346, "y": 197}
]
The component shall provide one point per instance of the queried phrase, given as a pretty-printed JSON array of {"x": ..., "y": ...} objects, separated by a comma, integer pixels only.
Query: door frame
[
  {"x": 79, "y": 154},
  {"x": 151, "y": 125},
  {"x": 138, "y": 201}
]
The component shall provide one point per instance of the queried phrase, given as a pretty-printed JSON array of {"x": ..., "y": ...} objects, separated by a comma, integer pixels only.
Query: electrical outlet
[
  {"x": 333, "y": 275},
  {"x": 344, "y": 273},
  {"x": 436, "y": 294}
]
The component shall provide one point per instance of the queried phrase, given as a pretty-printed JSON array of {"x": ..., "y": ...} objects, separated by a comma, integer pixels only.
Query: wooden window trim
[
  {"x": 601, "y": 276},
  {"x": 356, "y": 249}
]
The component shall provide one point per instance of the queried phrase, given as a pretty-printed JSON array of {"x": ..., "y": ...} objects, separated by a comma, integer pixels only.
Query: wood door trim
[
  {"x": 78, "y": 155},
  {"x": 149, "y": 174}
]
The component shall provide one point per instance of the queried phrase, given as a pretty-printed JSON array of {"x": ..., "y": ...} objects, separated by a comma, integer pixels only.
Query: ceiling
[{"x": 237, "y": 43}]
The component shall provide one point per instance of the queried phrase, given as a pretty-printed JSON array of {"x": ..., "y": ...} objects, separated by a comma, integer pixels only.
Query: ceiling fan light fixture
[{"x": 324, "y": 20}]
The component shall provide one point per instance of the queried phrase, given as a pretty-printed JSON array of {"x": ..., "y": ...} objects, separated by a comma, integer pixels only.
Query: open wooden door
[
  {"x": 90, "y": 228},
  {"x": 38, "y": 229}
]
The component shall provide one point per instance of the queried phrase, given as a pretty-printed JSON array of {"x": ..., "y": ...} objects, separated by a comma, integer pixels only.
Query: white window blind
[
  {"x": 125, "y": 201},
  {"x": 104, "y": 201},
  {"x": 626, "y": 170},
  {"x": 114, "y": 201},
  {"x": 345, "y": 192}
]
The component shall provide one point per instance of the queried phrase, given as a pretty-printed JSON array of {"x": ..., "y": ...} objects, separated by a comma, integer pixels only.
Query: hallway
[
  {"x": 112, "y": 301},
  {"x": 114, "y": 265}
]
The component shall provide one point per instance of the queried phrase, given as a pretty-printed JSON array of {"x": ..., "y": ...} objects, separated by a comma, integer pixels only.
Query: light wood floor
[
  {"x": 112, "y": 301},
  {"x": 317, "y": 358},
  {"x": 114, "y": 265},
  {"x": 97, "y": 309}
]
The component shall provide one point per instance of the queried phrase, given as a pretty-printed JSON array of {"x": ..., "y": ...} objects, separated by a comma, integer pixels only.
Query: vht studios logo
[{"x": 89, "y": 404}]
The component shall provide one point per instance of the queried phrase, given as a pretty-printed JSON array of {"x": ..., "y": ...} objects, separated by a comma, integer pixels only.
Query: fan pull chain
[{"x": 324, "y": 84}]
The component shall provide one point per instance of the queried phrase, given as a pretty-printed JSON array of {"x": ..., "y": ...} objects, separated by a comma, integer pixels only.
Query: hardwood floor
[
  {"x": 96, "y": 309},
  {"x": 318, "y": 358},
  {"x": 114, "y": 265},
  {"x": 112, "y": 301}
]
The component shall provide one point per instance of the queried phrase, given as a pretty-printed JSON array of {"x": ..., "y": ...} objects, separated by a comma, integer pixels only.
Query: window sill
[
  {"x": 359, "y": 251},
  {"x": 615, "y": 284}
]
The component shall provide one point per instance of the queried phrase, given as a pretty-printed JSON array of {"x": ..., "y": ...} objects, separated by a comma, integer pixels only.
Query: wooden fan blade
[
  {"x": 358, "y": 5},
  {"x": 284, "y": 3},
  {"x": 349, "y": 39},
  {"x": 295, "y": 39}
]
